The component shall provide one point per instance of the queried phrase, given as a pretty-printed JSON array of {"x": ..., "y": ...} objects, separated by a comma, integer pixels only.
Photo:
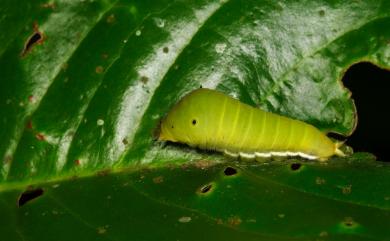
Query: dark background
[{"x": 369, "y": 86}]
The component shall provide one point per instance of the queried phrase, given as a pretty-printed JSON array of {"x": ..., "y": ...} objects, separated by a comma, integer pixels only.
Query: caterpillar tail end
[{"x": 337, "y": 151}]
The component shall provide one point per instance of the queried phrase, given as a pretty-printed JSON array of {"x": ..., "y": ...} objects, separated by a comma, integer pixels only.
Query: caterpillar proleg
[{"x": 209, "y": 119}]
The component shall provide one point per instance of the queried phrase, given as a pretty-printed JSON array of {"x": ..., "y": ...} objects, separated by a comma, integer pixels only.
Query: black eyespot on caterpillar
[
  {"x": 29, "y": 195},
  {"x": 194, "y": 122}
]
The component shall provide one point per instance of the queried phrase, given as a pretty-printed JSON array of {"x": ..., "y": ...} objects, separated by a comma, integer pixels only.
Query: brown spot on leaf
[
  {"x": 7, "y": 159},
  {"x": 101, "y": 230},
  {"x": 320, "y": 181},
  {"x": 77, "y": 162},
  {"x": 165, "y": 49},
  {"x": 203, "y": 164},
  {"x": 31, "y": 99},
  {"x": 105, "y": 56},
  {"x": 111, "y": 18},
  {"x": 185, "y": 219},
  {"x": 37, "y": 37},
  {"x": 323, "y": 234},
  {"x": 158, "y": 179},
  {"x": 346, "y": 189},
  {"x": 64, "y": 66},
  {"x": 50, "y": 5},
  {"x": 99, "y": 69},
  {"x": 29, "y": 125},
  {"x": 40, "y": 137},
  {"x": 234, "y": 221}
]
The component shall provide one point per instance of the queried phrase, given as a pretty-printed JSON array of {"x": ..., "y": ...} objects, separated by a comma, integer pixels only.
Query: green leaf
[
  {"x": 84, "y": 84},
  {"x": 230, "y": 201}
]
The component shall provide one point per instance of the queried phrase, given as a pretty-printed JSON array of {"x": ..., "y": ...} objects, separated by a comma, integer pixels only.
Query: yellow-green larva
[{"x": 209, "y": 119}]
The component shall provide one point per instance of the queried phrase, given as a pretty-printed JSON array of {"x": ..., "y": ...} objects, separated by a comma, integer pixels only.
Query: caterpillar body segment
[{"x": 209, "y": 119}]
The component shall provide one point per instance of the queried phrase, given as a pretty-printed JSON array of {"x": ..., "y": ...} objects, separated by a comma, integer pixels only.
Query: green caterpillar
[{"x": 209, "y": 119}]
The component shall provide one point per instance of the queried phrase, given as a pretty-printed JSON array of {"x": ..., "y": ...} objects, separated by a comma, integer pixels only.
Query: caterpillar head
[{"x": 186, "y": 122}]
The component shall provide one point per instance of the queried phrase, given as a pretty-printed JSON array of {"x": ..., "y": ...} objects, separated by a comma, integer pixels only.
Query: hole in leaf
[
  {"x": 295, "y": 166},
  {"x": 206, "y": 188},
  {"x": 144, "y": 79},
  {"x": 230, "y": 171},
  {"x": 29, "y": 195},
  {"x": 35, "y": 38},
  {"x": 349, "y": 222},
  {"x": 368, "y": 84},
  {"x": 125, "y": 141},
  {"x": 32, "y": 40}
]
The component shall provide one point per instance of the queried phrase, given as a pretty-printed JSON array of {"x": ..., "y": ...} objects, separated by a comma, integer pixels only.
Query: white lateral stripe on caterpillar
[
  {"x": 230, "y": 153},
  {"x": 269, "y": 154}
]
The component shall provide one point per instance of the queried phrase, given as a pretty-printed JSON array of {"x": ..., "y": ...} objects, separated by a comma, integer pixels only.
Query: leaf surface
[{"x": 85, "y": 83}]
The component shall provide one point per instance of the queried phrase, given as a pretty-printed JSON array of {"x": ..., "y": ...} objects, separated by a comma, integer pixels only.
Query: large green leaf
[
  {"x": 86, "y": 98},
  {"x": 277, "y": 201}
]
